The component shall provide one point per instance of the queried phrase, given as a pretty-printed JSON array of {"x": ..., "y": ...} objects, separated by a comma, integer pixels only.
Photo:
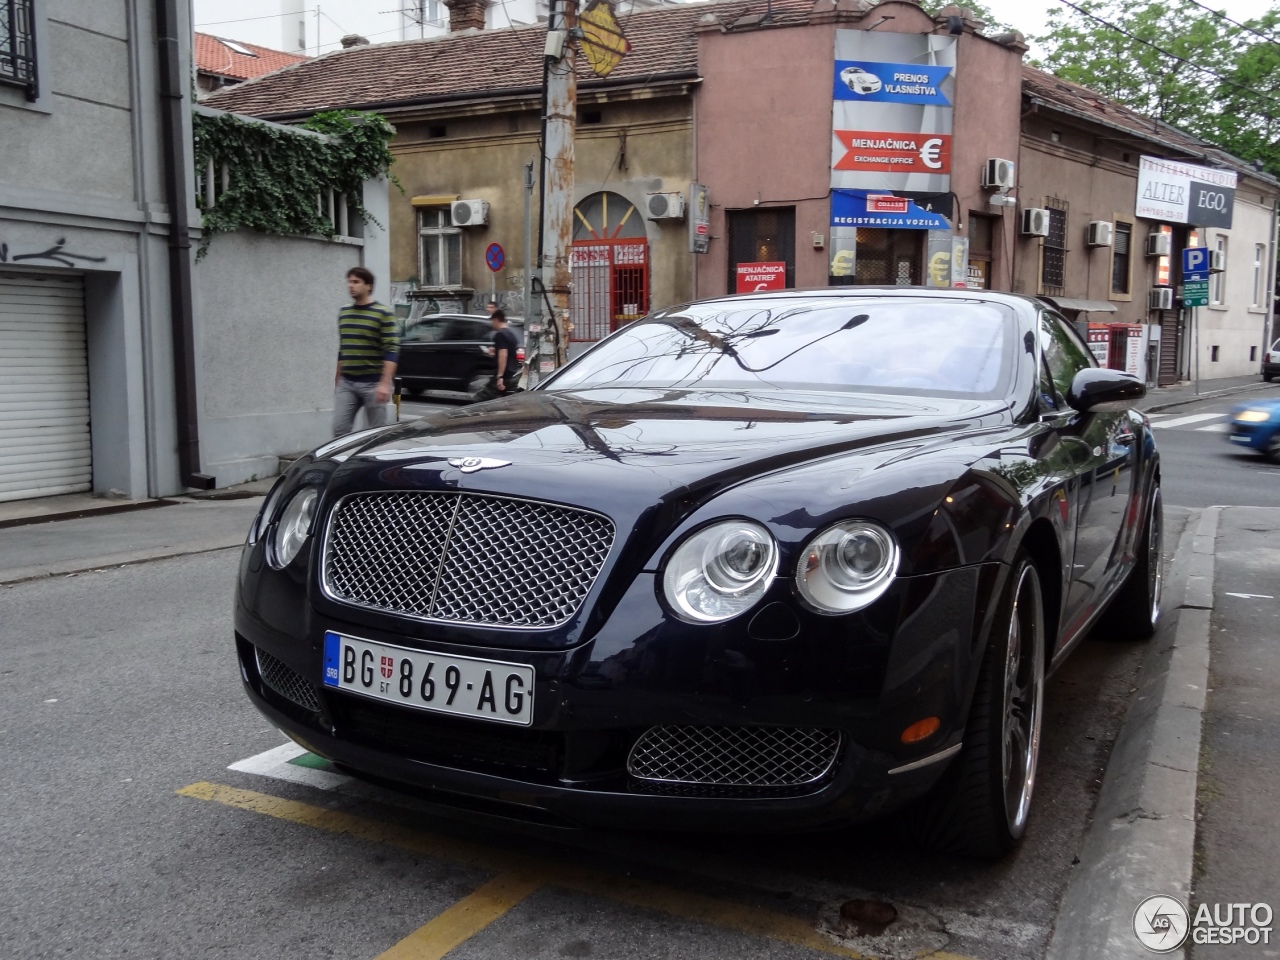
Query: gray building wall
[{"x": 82, "y": 192}]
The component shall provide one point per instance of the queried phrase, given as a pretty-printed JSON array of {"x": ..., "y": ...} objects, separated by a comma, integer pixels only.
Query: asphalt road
[
  {"x": 118, "y": 689},
  {"x": 1200, "y": 468}
]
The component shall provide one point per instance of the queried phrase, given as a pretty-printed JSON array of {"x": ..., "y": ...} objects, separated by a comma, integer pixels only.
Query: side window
[
  {"x": 425, "y": 331},
  {"x": 1064, "y": 354},
  {"x": 460, "y": 330},
  {"x": 479, "y": 331}
]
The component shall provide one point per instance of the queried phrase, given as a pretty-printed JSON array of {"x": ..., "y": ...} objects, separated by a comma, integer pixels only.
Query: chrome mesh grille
[
  {"x": 735, "y": 756},
  {"x": 465, "y": 557},
  {"x": 286, "y": 681}
]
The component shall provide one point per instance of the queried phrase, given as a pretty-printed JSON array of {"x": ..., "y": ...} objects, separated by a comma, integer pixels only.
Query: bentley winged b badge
[{"x": 472, "y": 464}]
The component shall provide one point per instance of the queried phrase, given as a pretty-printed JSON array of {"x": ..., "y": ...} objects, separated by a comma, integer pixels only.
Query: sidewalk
[
  {"x": 178, "y": 526},
  {"x": 1237, "y": 844},
  {"x": 1162, "y": 398}
]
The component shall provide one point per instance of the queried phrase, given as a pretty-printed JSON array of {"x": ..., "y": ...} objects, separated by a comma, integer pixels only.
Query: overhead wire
[
  {"x": 1243, "y": 26},
  {"x": 1173, "y": 56}
]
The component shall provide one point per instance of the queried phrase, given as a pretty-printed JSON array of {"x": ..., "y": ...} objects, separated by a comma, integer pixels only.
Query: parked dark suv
[{"x": 449, "y": 352}]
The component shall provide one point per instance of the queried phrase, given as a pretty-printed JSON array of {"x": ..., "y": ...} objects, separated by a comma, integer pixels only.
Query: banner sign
[
  {"x": 861, "y": 208},
  {"x": 1176, "y": 192},
  {"x": 891, "y": 113},
  {"x": 761, "y": 276},
  {"x": 873, "y": 82},
  {"x": 948, "y": 263},
  {"x": 895, "y": 152}
]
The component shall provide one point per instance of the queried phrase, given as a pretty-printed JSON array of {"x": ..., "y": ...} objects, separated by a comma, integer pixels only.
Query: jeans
[
  {"x": 348, "y": 398},
  {"x": 490, "y": 390}
]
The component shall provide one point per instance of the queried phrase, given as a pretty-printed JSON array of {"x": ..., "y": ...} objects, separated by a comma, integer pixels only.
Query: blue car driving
[{"x": 1256, "y": 424}]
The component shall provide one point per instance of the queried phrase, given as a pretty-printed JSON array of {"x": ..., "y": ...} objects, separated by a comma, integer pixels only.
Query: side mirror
[{"x": 1095, "y": 390}]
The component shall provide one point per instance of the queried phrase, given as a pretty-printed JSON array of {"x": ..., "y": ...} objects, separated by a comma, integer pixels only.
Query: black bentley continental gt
[{"x": 777, "y": 560}]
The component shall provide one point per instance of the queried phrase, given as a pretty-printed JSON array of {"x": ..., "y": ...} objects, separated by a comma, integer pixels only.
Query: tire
[
  {"x": 413, "y": 391},
  {"x": 1272, "y": 451},
  {"x": 1135, "y": 612},
  {"x": 980, "y": 806},
  {"x": 1267, "y": 377}
]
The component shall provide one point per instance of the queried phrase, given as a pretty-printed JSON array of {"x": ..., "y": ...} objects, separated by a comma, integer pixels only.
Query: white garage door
[{"x": 44, "y": 387}]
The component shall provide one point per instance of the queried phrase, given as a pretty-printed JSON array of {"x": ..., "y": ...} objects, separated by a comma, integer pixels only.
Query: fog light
[{"x": 921, "y": 730}]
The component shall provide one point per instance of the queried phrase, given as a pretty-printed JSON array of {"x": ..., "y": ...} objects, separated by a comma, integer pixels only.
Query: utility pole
[{"x": 559, "y": 122}]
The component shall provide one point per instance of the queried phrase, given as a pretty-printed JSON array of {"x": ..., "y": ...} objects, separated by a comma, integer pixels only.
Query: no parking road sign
[{"x": 495, "y": 257}]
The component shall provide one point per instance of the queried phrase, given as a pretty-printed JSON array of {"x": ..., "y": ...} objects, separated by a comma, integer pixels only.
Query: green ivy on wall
[{"x": 278, "y": 182}]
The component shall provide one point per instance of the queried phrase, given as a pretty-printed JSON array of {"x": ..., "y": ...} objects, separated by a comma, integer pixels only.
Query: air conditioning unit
[
  {"x": 1159, "y": 245},
  {"x": 469, "y": 213},
  {"x": 998, "y": 174},
  {"x": 1217, "y": 261},
  {"x": 1100, "y": 233},
  {"x": 1160, "y": 298},
  {"x": 1035, "y": 222},
  {"x": 664, "y": 206}
]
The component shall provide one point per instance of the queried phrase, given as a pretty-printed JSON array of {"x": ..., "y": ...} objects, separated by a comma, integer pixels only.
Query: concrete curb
[
  {"x": 71, "y": 567},
  {"x": 1142, "y": 837}
]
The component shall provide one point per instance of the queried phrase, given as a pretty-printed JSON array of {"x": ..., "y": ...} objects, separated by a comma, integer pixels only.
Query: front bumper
[
  {"x": 869, "y": 676},
  {"x": 1251, "y": 435}
]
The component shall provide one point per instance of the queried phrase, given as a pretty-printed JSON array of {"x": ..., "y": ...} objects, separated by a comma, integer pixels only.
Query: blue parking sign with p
[{"x": 1195, "y": 263}]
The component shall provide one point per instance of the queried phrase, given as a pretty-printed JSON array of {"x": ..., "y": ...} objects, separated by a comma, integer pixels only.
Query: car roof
[
  {"x": 1015, "y": 300},
  {"x": 462, "y": 316}
]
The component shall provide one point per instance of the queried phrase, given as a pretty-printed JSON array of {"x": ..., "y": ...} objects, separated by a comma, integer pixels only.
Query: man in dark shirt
[{"x": 505, "y": 346}]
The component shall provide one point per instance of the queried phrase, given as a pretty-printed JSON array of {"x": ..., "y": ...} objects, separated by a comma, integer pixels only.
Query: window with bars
[
  {"x": 1053, "y": 257},
  {"x": 1121, "y": 257},
  {"x": 441, "y": 248},
  {"x": 18, "y": 45}
]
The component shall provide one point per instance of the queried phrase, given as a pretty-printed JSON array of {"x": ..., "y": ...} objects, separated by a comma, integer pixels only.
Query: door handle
[{"x": 1125, "y": 438}]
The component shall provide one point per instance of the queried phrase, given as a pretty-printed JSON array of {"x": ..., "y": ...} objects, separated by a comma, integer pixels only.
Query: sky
[{"x": 257, "y": 21}]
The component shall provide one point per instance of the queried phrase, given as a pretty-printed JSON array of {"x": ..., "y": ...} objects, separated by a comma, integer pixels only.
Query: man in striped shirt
[{"x": 367, "y": 352}]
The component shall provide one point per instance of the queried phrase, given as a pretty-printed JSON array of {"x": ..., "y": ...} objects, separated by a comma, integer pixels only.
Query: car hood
[{"x": 621, "y": 450}]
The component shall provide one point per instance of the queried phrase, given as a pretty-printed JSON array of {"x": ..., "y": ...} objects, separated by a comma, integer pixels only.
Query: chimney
[
  {"x": 466, "y": 14},
  {"x": 353, "y": 40}
]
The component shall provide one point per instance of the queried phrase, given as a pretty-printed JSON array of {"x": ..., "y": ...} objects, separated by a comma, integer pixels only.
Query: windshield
[{"x": 898, "y": 345}]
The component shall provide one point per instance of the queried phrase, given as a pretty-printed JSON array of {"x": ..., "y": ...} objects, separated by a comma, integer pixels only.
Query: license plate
[{"x": 463, "y": 686}]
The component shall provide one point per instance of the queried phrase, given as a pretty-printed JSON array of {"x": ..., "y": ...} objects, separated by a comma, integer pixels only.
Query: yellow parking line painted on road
[
  {"x": 517, "y": 874},
  {"x": 465, "y": 918}
]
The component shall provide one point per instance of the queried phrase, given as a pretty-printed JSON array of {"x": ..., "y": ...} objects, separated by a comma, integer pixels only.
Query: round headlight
[
  {"x": 720, "y": 571},
  {"x": 294, "y": 526},
  {"x": 847, "y": 566}
]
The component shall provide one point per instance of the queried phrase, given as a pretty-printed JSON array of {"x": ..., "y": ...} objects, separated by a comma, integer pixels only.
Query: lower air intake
[
  {"x": 735, "y": 756},
  {"x": 286, "y": 681}
]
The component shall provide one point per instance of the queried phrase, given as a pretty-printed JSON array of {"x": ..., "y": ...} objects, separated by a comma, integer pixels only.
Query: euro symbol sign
[
  {"x": 930, "y": 153},
  {"x": 842, "y": 264}
]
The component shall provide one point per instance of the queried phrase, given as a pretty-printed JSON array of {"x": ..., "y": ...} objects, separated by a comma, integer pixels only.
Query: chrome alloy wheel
[
  {"x": 1023, "y": 698},
  {"x": 1155, "y": 544}
]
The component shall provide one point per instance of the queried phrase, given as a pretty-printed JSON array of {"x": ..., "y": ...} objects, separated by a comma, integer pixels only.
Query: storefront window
[
  {"x": 885, "y": 258},
  {"x": 762, "y": 236}
]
